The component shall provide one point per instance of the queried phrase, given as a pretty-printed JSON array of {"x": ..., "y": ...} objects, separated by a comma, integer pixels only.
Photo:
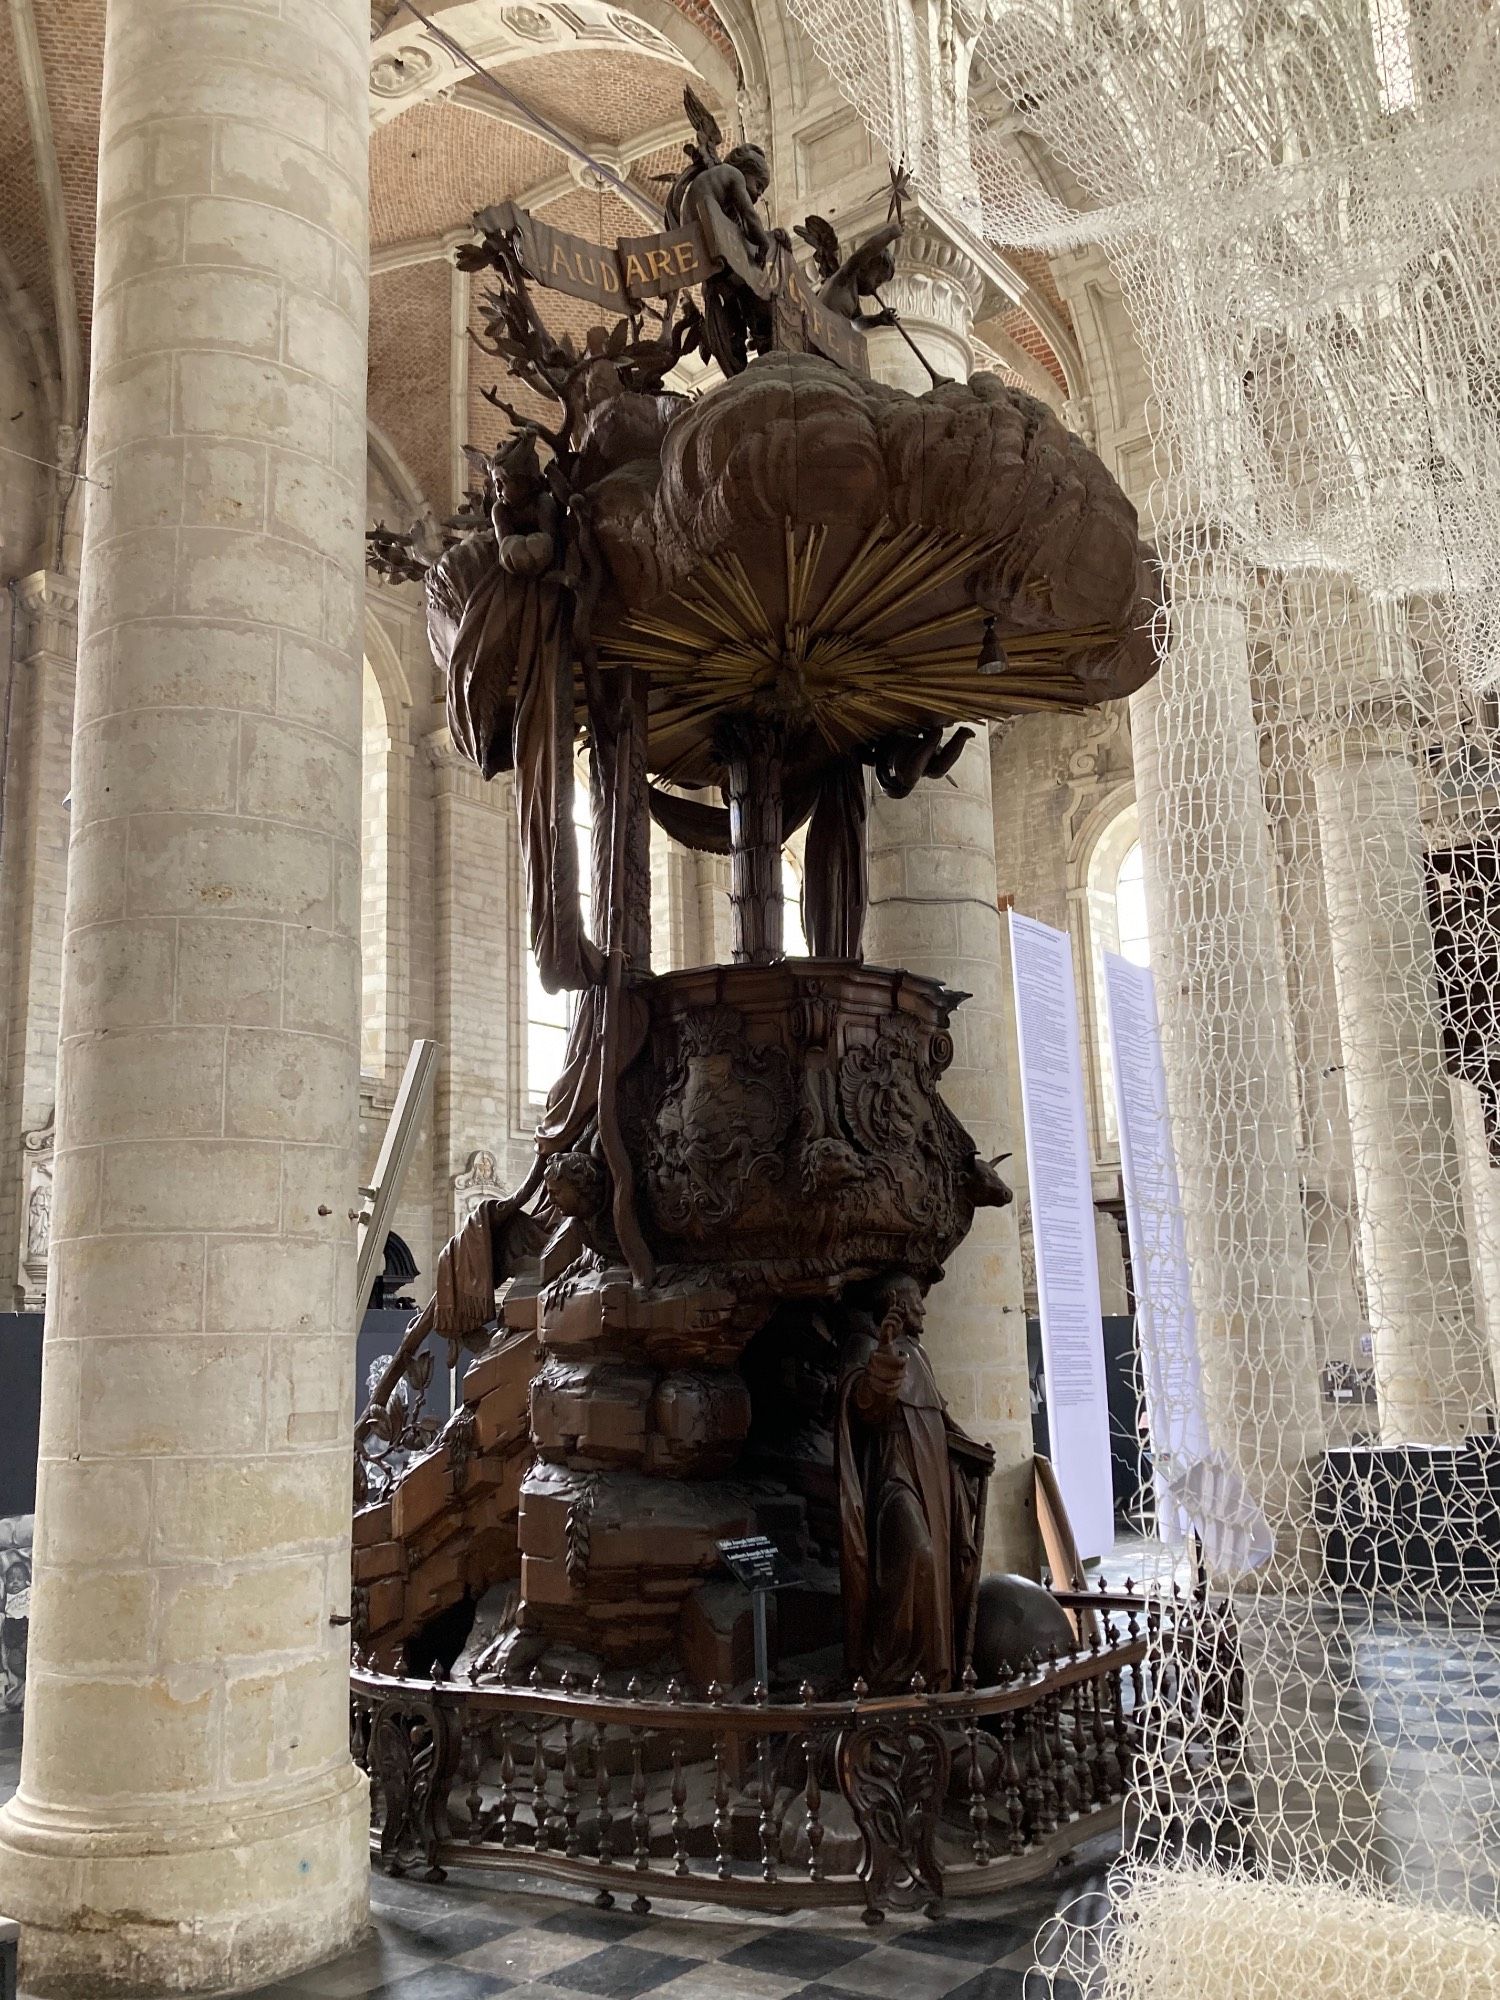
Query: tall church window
[{"x": 550, "y": 1015}]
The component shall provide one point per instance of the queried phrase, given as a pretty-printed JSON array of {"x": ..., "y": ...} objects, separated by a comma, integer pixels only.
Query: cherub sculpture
[
  {"x": 846, "y": 281},
  {"x": 719, "y": 195},
  {"x": 524, "y": 512}
]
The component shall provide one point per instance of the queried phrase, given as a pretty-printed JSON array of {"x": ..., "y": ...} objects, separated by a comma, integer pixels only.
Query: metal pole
[{"x": 762, "y": 1643}]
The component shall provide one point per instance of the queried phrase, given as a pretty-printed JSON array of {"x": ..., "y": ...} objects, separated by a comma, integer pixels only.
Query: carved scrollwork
[
  {"x": 722, "y": 1122},
  {"x": 894, "y": 1773},
  {"x": 785, "y": 1148},
  {"x": 413, "y": 1752},
  {"x": 888, "y": 1096}
]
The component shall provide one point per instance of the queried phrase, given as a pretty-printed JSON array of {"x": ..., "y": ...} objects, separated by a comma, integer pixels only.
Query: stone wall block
[
  {"x": 271, "y": 403},
  {"x": 123, "y": 981},
  {"x": 291, "y": 1087},
  {"x": 181, "y": 864},
  {"x": 322, "y": 976},
  {"x": 130, "y": 1285},
  {"x": 308, "y": 1398},
  {"x": 224, "y": 573},
  {"x": 228, "y": 1510},
  {"x": 143, "y": 1083},
  {"x": 103, "y": 1618},
  {"x": 293, "y": 1293},
  {"x": 235, "y": 309},
  {"x": 290, "y": 772},
  {"x": 141, "y": 1396},
  {"x": 229, "y": 971},
  {"x": 163, "y": 760},
  {"x": 156, "y": 663},
  {"x": 201, "y": 1184}
]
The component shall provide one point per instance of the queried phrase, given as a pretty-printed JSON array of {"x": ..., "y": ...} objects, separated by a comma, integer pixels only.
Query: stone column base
[{"x": 241, "y": 1896}]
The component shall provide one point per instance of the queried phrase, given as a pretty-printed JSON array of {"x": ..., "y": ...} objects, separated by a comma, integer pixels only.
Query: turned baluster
[
  {"x": 979, "y": 1812},
  {"x": 1010, "y": 1775},
  {"x": 679, "y": 1791},
  {"x": 541, "y": 1810},
  {"x": 1079, "y": 1745},
  {"x": 640, "y": 1819},
  {"x": 765, "y": 1792},
  {"x": 1041, "y": 1805},
  {"x": 474, "y": 1798},
  {"x": 722, "y": 1822},
  {"x": 569, "y": 1776},
  {"x": 605, "y": 1817},
  {"x": 1058, "y": 1759},
  {"x": 812, "y": 1794},
  {"x": 507, "y": 1777}
]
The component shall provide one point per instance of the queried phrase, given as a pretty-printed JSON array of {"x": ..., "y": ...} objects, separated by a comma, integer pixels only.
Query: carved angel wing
[
  {"x": 820, "y": 233},
  {"x": 703, "y": 122}
]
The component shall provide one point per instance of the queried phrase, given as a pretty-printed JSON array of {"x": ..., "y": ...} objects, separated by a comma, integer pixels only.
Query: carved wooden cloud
[{"x": 831, "y": 549}]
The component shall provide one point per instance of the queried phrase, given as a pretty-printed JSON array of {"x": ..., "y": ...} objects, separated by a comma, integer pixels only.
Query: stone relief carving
[
  {"x": 36, "y": 1219},
  {"x": 402, "y": 71},
  {"x": 479, "y": 1181}
]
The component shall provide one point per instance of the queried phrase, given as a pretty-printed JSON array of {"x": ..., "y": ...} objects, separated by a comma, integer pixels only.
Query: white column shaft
[
  {"x": 1222, "y": 998},
  {"x": 188, "y": 1817}
]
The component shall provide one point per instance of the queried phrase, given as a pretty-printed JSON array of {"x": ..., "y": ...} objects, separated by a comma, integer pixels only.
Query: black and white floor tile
[{"x": 473, "y": 1938}]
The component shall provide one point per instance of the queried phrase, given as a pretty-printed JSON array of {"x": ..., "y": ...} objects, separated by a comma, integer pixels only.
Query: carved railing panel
[{"x": 871, "y": 1803}]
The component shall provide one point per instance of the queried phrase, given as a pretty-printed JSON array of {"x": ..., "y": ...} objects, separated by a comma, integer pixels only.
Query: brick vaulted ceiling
[{"x": 442, "y": 144}]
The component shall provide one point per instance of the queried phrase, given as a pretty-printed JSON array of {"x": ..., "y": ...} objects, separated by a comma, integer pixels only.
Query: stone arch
[
  {"x": 405, "y": 70},
  {"x": 1107, "y": 837},
  {"x": 385, "y": 805}
]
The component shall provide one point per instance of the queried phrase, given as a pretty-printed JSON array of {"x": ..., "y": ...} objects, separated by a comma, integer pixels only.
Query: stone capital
[
  {"x": 48, "y": 602},
  {"x": 456, "y": 777},
  {"x": 936, "y": 283}
]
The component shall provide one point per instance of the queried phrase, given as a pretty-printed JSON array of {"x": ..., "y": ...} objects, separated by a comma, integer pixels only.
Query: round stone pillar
[
  {"x": 934, "y": 909},
  {"x": 1431, "y": 1380},
  {"x": 188, "y": 1818},
  {"x": 1226, "y": 1041},
  {"x": 935, "y": 291}
]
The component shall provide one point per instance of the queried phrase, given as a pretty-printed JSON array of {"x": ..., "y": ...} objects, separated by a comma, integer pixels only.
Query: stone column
[
  {"x": 34, "y": 884},
  {"x": 934, "y": 909},
  {"x": 1222, "y": 997},
  {"x": 1430, "y": 1374},
  {"x": 1324, "y": 1150},
  {"x": 480, "y": 970},
  {"x": 188, "y": 1818},
  {"x": 935, "y": 291}
]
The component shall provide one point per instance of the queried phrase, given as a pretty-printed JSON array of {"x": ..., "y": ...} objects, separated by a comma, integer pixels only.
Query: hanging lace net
[{"x": 1298, "y": 203}]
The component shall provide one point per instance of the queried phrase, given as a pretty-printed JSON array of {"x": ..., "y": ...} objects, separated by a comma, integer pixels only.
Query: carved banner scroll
[{"x": 651, "y": 267}]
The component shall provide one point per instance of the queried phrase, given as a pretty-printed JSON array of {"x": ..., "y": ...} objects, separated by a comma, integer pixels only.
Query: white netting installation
[{"x": 1298, "y": 201}]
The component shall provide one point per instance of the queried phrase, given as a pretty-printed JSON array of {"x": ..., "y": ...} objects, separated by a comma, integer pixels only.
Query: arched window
[
  {"x": 793, "y": 930},
  {"x": 550, "y": 1015},
  {"x": 374, "y": 880},
  {"x": 1131, "y": 930},
  {"x": 1117, "y": 923}
]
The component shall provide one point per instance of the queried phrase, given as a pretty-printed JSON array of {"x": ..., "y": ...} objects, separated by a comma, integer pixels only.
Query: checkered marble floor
[{"x": 473, "y": 1938}]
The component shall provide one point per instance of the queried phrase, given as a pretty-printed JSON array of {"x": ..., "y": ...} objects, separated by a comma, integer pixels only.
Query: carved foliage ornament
[
  {"x": 723, "y": 1122},
  {"x": 414, "y": 1750},
  {"x": 894, "y": 1775}
]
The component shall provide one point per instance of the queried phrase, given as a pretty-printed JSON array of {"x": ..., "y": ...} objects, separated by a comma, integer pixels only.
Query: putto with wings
[{"x": 846, "y": 281}]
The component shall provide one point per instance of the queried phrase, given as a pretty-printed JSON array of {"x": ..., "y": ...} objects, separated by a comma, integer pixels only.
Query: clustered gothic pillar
[
  {"x": 1222, "y": 998},
  {"x": 1429, "y": 1367},
  {"x": 1350, "y": 678},
  {"x": 934, "y": 909},
  {"x": 188, "y": 1817},
  {"x": 34, "y": 884}
]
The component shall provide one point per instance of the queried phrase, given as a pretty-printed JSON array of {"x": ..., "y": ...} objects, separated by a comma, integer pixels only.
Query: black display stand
[{"x": 1411, "y": 1518}]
